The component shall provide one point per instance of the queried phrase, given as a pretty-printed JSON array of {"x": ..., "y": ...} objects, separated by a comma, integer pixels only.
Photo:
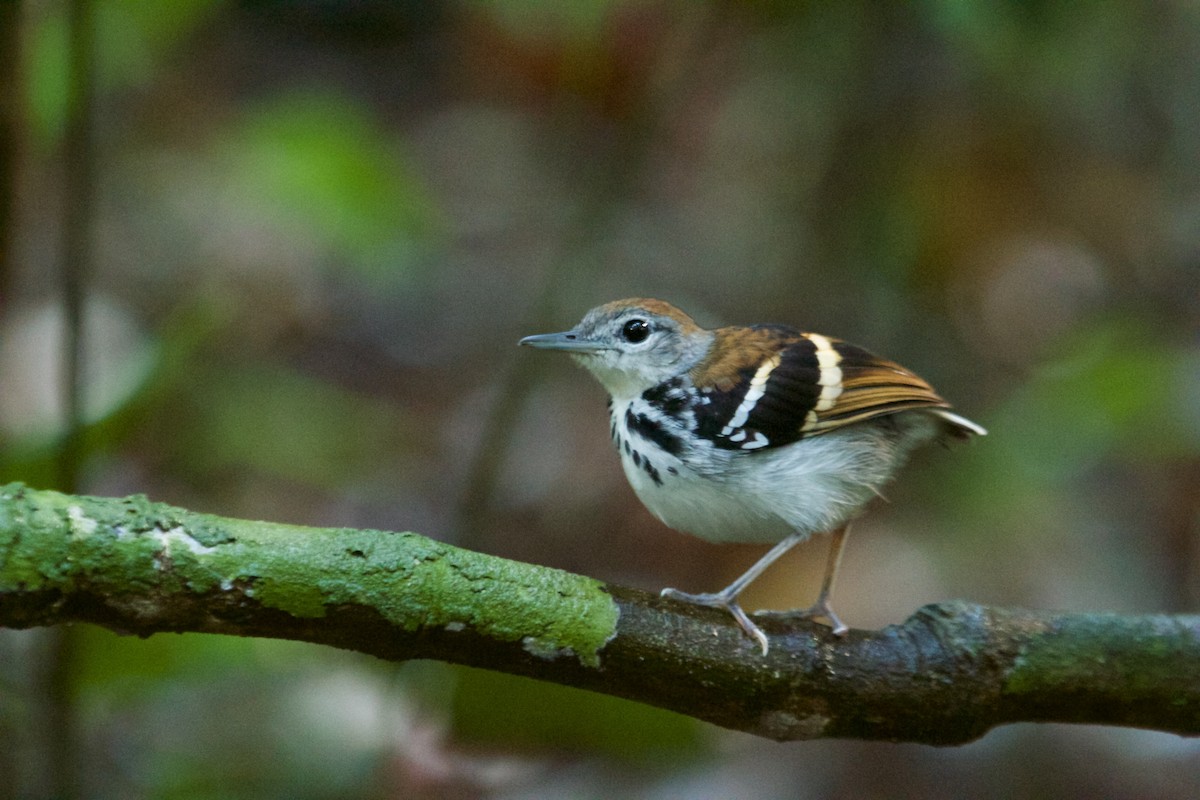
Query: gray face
[{"x": 629, "y": 348}]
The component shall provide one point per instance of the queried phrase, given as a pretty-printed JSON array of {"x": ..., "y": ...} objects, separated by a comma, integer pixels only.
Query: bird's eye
[{"x": 635, "y": 330}]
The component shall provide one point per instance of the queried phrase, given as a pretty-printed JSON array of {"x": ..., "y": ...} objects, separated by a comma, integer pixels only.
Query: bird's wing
[{"x": 767, "y": 386}]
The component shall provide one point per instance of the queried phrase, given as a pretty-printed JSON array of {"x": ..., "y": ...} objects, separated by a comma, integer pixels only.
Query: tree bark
[{"x": 947, "y": 675}]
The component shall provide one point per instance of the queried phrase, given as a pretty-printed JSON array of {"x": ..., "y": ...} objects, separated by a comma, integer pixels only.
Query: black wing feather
[{"x": 789, "y": 407}]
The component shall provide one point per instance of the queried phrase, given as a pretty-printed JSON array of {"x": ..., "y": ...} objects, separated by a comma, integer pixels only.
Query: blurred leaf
[
  {"x": 515, "y": 711},
  {"x": 1064, "y": 58},
  {"x": 287, "y": 424},
  {"x": 131, "y": 37},
  {"x": 1117, "y": 390},
  {"x": 243, "y": 736},
  {"x": 47, "y": 82},
  {"x": 115, "y": 666},
  {"x": 579, "y": 20},
  {"x": 316, "y": 162}
]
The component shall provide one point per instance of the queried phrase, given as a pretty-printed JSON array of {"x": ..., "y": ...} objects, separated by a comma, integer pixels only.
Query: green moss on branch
[
  {"x": 131, "y": 548},
  {"x": 946, "y": 675}
]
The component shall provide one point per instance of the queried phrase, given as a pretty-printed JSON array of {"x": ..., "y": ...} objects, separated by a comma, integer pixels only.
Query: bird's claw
[
  {"x": 727, "y": 602},
  {"x": 821, "y": 608}
]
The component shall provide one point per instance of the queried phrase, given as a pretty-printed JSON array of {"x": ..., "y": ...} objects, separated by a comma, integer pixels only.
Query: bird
[{"x": 752, "y": 434}]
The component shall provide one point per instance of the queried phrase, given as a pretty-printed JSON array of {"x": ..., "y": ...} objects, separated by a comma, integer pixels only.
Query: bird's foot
[
  {"x": 727, "y": 602},
  {"x": 821, "y": 608}
]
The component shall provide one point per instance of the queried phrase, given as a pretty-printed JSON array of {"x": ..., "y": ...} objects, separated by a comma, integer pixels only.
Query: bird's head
[{"x": 631, "y": 345}]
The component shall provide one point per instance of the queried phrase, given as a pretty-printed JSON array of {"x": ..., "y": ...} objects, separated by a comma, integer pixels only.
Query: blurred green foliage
[
  {"x": 327, "y": 224},
  {"x": 132, "y": 41},
  {"x": 276, "y": 422},
  {"x": 489, "y": 707},
  {"x": 1115, "y": 390},
  {"x": 315, "y": 162}
]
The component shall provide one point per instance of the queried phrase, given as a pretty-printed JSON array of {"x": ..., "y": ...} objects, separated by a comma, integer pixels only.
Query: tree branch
[{"x": 947, "y": 675}]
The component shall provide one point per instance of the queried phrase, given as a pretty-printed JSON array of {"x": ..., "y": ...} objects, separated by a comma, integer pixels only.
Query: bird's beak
[{"x": 568, "y": 340}]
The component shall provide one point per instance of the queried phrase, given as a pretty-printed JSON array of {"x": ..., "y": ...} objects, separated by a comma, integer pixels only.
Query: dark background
[{"x": 318, "y": 229}]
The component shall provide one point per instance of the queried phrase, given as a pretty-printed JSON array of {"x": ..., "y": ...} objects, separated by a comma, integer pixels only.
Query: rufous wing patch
[{"x": 770, "y": 385}]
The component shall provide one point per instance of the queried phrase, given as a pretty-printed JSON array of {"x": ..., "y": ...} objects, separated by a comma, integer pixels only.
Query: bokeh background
[{"x": 315, "y": 230}]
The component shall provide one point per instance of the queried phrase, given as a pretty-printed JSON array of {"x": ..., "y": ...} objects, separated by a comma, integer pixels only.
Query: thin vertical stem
[
  {"x": 79, "y": 188},
  {"x": 64, "y": 757},
  {"x": 10, "y": 115}
]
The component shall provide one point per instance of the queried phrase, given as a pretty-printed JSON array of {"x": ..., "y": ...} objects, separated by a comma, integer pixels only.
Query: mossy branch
[{"x": 947, "y": 675}]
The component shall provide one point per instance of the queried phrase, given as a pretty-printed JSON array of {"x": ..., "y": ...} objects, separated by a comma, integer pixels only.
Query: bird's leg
[
  {"x": 822, "y": 608},
  {"x": 727, "y": 597}
]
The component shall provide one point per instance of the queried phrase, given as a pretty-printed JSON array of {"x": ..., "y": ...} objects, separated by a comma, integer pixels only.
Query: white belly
[
  {"x": 809, "y": 487},
  {"x": 703, "y": 507}
]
